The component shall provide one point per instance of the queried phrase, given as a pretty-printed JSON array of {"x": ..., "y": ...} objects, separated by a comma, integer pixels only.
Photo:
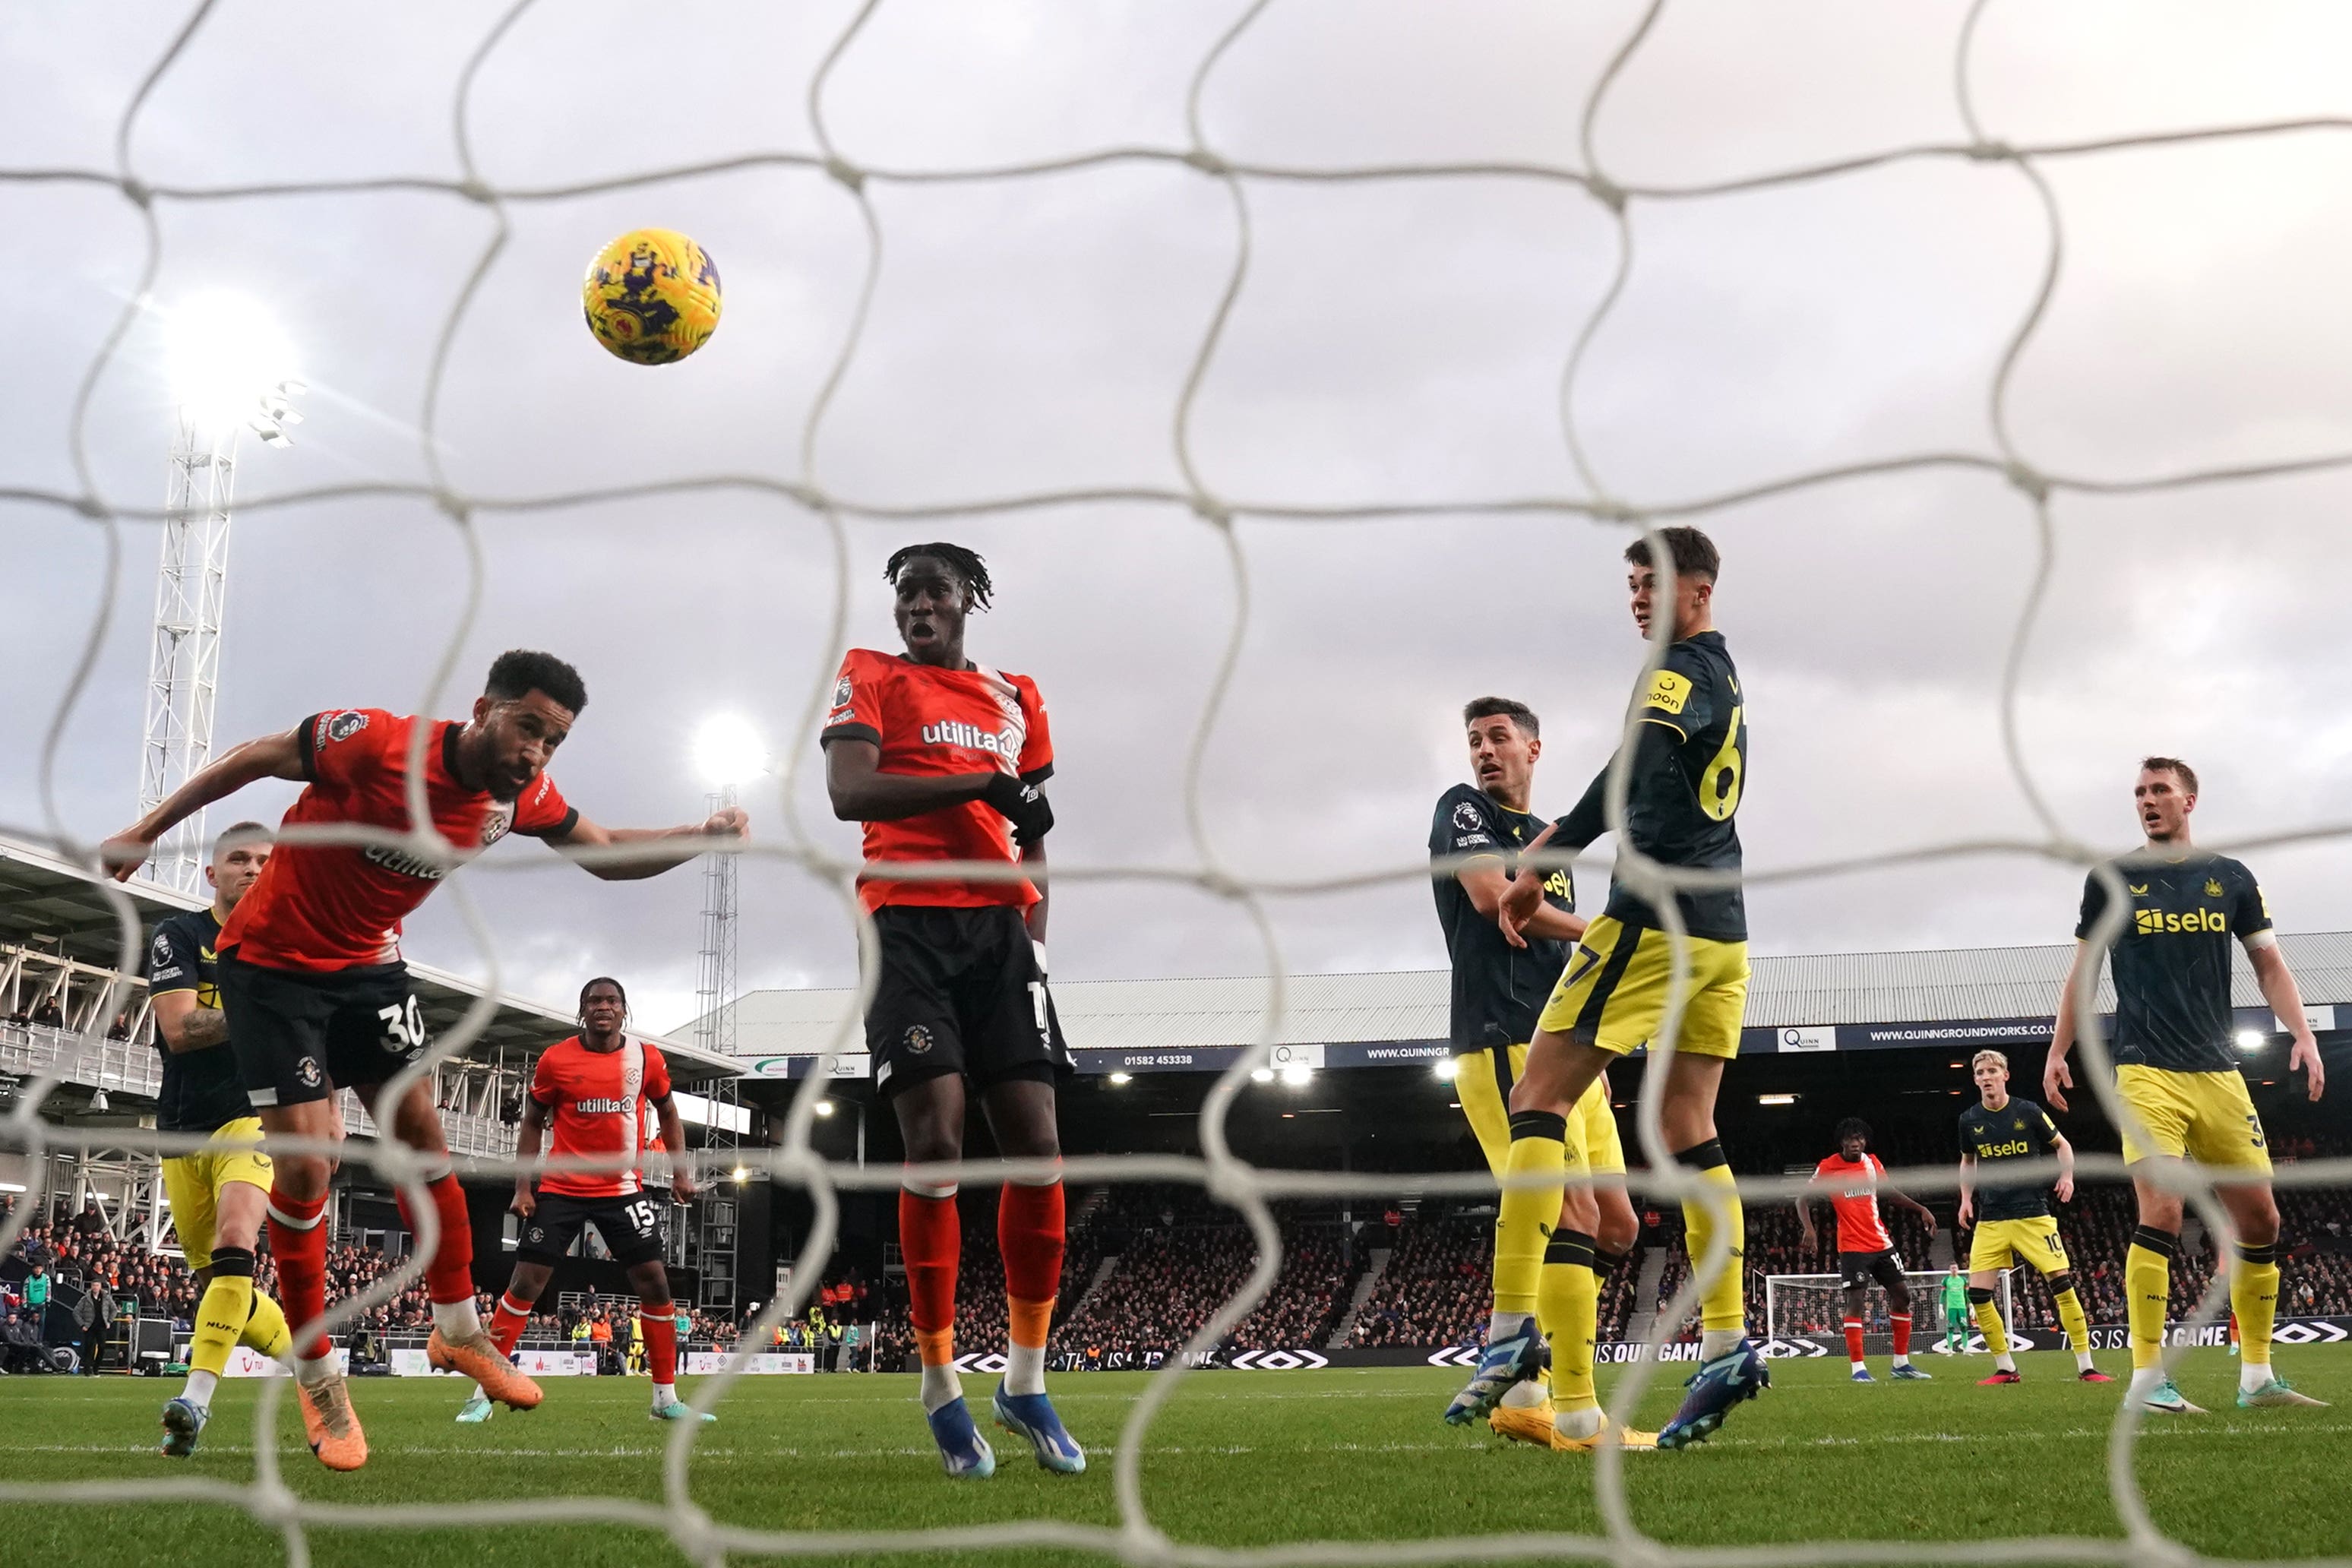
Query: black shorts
[
  {"x": 960, "y": 992},
  {"x": 630, "y": 1227},
  {"x": 1856, "y": 1269},
  {"x": 300, "y": 1035}
]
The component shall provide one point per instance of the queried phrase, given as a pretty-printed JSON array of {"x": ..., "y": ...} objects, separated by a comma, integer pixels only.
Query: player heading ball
[
  {"x": 941, "y": 758},
  {"x": 317, "y": 995}
]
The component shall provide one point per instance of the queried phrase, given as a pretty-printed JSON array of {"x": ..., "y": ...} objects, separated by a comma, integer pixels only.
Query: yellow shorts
[
  {"x": 1482, "y": 1082},
  {"x": 2207, "y": 1116},
  {"x": 1613, "y": 992},
  {"x": 2000, "y": 1242},
  {"x": 194, "y": 1182}
]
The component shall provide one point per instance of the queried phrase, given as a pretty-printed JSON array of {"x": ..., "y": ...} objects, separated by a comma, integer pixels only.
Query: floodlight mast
[
  {"x": 191, "y": 598},
  {"x": 184, "y": 664}
]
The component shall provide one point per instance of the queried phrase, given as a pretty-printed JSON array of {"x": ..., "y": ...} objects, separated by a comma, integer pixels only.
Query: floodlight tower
[
  {"x": 726, "y": 752},
  {"x": 227, "y": 366}
]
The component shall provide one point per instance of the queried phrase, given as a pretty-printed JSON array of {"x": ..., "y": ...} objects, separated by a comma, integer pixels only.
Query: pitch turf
[{"x": 1239, "y": 1459}]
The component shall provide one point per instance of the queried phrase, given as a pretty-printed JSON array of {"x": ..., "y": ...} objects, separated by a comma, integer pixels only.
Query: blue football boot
[
  {"x": 1715, "y": 1388},
  {"x": 1905, "y": 1373},
  {"x": 962, "y": 1450},
  {"x": 1031, "y": 1416},
  {"x": 183, "y": 1422},
  {"x": 1515, "y": 1358},
  {"x": 1862, "y": 1374}
]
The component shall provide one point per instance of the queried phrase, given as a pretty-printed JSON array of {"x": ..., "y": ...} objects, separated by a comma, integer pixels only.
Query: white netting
[
  {"x": 1815, "y": 1304},
  {"x": 1137, "y": 1538}
]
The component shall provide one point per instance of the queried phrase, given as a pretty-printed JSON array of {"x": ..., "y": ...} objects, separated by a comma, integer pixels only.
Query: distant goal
[{"x": 1804, "y": 1306}]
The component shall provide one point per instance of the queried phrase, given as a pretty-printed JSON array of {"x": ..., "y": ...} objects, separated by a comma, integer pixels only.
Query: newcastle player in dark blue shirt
[{"x": 2177, "y": 1071}]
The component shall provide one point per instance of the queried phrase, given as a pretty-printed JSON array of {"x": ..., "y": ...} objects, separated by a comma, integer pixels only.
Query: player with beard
[
  {"x": 940, "y": 759},
  {"x": 1499, "y": 986},
  {"x": 219, "y": 1192},
  {"x": 1687, "y": 756},
  {"x": 316, "y": 995},
  {"x": 2174, "y": 1068}
]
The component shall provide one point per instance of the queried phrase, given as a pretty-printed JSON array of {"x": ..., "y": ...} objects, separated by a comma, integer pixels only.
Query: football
[{"x": 651, "y": 296}]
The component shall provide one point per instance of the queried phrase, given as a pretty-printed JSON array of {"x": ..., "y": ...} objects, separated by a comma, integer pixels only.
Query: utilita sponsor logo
[
  {"x": 604, "y": 1107},
  {"x": 972, "y": 737},
  {"x": 401, "y": 863}
]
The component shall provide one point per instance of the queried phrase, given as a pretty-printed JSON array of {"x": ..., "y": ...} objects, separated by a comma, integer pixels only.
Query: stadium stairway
[
  {"x": 1646, "y": 1293},
  {"x": 1103, "y": 1272},
  {"x": 1364, "y": 1288}
]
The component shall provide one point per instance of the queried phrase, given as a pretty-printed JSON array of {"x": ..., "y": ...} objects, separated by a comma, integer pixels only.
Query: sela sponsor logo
[
  {"x": 2154, "y": 922},
  {"x": 607, "y": 1106},
  {"x": 1004, "y": 743}
]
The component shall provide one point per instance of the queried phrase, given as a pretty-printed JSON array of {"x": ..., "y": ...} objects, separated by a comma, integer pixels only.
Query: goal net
[
  {"x": 1812, "y": 1305},
  {"x": 1253, "y": 560}
]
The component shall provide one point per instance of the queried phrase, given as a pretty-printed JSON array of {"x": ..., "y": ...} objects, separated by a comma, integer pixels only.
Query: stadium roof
[
  {"x": 1807, "y": 1002},
  {"x": 48, "y": 903}
]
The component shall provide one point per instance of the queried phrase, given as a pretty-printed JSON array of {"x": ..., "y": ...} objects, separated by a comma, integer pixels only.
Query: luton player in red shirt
[
  {"x": 594, "y": 1089},
  {"x": 940, "y": 759},
  {"x": 318, "y": 998},
  {"x": 1854, "y": 1179}
]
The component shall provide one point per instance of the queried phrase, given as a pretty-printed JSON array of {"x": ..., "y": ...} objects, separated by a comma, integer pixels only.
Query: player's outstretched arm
[
  {"x": 2285, "y": 999},
  {"x": 677, "y": 845},
  {"x": 2056, "y": 1079},
  {"x": 1903, "y": 1201},
  {"x": 271, "y": 757}
]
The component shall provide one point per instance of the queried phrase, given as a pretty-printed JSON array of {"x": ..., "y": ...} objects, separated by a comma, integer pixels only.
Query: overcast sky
[{"x": 1396, "y": 341}]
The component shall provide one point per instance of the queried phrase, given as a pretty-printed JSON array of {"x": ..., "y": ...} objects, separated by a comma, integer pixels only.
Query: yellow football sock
[
  {"x": 266, "y": 1329},
  {"x": 2254, "y": 1296},
  {"x": 2070, "y": 1313},
  {"x": 1987, "y": 1316},
  {"x": 1568, "y": 1304},
  {"x": 1525, "y": 1218},
  {"x": 1723, "y": 1305},
  {"x": 2147, "y": 1287},
  {"x": 220, "y": 1320}
]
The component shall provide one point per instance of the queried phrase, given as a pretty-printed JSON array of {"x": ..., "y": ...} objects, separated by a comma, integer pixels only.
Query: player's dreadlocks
[
  {"x": 1852, "y": 1127},
  {"x": 966, "y": 564}
]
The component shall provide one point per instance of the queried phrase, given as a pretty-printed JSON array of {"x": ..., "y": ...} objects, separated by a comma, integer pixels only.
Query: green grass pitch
[{"x": 1238, "y": 1459}]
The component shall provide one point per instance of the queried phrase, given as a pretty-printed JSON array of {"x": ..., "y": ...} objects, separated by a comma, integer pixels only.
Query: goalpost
[{"x": 1796, "y": 1305}]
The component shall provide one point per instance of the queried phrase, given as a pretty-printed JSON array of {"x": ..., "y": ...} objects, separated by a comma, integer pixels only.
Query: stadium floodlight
[
  {"x": 98, "y": 1099},
  {"x": 1444, "y": 1068},
  {"x": 1297, "y": 1075},
  {"x": 2251, "y": 1039},
  {"x": 230, "y": 364},
  {"x": 741, "y": 1174},
  {"x": 1122, "y": 1077},
  {"x": 728, "y": 750},
  {"x": 1261, "y": 1075},
  {"x": 1776, "y": 1099},
  {"x": 824, "y": 1107}
]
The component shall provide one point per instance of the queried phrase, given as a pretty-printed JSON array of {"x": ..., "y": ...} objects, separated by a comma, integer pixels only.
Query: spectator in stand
[{"x": 48, "y": 1013}]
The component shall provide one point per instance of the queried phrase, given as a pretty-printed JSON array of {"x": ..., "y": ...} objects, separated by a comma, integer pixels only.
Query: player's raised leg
[
  {"x": 508, "y": 1320},
  {"x": 1029, "y": 1231},
  {"x": 458, "y": 1342}
]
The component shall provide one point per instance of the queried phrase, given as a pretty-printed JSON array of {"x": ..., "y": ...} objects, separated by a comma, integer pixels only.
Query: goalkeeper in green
[{"x": 1956, "y": 1310}]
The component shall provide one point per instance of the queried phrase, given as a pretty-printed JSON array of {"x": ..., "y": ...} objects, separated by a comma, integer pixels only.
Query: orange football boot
[
  {"x": 330, "y": 1422},
  {"x": 479, "y": 1358}
]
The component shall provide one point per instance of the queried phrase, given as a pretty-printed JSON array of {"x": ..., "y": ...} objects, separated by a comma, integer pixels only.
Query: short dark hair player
[
  {"x": 1854, "y": 1180},
  {"x": 940, "y": 759},
  {"x": 593, "y": 1090},
  {"x": 317, "y": 995}
]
